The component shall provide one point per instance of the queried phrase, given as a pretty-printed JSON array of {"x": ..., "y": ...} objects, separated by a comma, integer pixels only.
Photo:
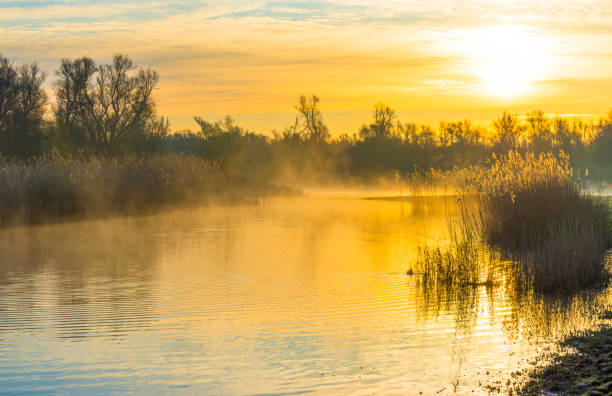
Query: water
[{"x": 289, "y": 296}]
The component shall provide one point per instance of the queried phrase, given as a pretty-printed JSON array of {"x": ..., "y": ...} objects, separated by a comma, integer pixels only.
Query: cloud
[{"x": 257, "y": 56}]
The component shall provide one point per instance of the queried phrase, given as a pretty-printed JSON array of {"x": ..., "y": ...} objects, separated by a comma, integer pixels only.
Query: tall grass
[
  {"x": 462, "y": 263},
  {"x": 455, "y": 265},
  {"x": 532, "y": 208},
  {"x": 531, "y": 211},
  {"x": 53, "y": 187}
]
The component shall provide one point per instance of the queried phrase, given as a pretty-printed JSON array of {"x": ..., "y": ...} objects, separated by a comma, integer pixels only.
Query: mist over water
[{"x": 287, "y": 296}]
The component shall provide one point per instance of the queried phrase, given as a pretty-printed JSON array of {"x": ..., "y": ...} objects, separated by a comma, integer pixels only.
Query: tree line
[{"x": 109, "y": 110}]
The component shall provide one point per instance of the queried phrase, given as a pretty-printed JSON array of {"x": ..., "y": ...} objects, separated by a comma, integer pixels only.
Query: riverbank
[
  {"x": 581, "y": 365},
  {"x": 53, "y": 188}
]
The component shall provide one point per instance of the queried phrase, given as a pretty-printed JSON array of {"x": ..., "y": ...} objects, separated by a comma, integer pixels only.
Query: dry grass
[
  {"x": 532, "y": 208},
  {"x": 52, "y": 187},
  {"x": 463, "y": 262},
  {"x": 457, "y": 264}
]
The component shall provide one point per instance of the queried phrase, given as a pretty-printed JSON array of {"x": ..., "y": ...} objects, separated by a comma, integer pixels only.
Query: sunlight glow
[{"x": 509, "y": 61}]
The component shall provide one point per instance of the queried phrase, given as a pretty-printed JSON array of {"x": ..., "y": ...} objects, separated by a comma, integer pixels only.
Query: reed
[
  {"x": 52, "y": 187},
  {"x": 528, "y": 210},
  {"x": 533, "y": 209},
  {"x": 463, "y": 262}
]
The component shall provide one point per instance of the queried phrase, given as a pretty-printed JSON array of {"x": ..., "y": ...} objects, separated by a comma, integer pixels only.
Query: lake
[{"x": 283, "y": 296}]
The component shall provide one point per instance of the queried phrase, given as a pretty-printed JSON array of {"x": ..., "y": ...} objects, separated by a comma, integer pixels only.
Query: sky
[{"x": 429, "y": 60}]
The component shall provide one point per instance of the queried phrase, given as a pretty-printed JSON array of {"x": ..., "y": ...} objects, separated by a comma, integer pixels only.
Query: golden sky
[{"x": 429, "y": 60}]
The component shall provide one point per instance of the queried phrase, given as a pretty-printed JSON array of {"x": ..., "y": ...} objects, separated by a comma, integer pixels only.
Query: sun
[{"x": 508, "y": 61}]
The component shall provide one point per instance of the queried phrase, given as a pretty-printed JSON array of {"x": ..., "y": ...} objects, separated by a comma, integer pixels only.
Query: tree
[
  {"x": 458, "y": 132},
  {"x": 538, "y": 124},
  {"x": 540, "y": 133},
  {"x": 224, "y": 126},
  {"x": 383, "y": 122},
  {"x": 8, "y": 92},
  {"x": 105, "y": 105},
  {"x": 312, "y": 124},
  {"x": 509, "y": 130},
  {"x": 383, "y": 119},
  {"x": 22, "y": 107},
  {"x": 207, "y": 129},
  {"x": 601, "y": 145},
  {"x": 290, "y": 134},
  {"x": 409, "y": 132}
]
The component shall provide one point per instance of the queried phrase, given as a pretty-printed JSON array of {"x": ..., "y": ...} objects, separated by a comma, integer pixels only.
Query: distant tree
[
  {"x": 567, "y": 136},
  {"x": 426, "y": 137},
  {"x": 8, "y": 92},
  {"x": 458, "y": 132},
  {"x": 226, "y": 125},
  {"x": 346, "y": 139},
  {"x": 22, "y": 107},
  {"x": 293, "y": 133},
  {"x": 207, "y": 129},
  {"x": 383, "y": 122},
  {"x": 383, "y": 119},
  {"x": 601, "y": 145},
  {"x": 539, "y": 129},
  {"x": 104, "y": 106},
  {"x": 538, "y": 124},
  {"x": 409, "y": 132},
  {"x": 154, "y": 140},
  {"x": 231, "y": 145},
  {"x": 509, "y": 131},
  {"x": 312, "y": 125}
]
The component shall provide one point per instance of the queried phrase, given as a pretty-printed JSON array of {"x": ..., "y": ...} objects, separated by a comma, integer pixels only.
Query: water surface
[{"x": 287, "y": 296}]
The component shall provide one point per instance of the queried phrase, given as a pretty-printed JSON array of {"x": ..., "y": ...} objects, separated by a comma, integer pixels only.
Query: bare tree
[
  {"x": 509, "y": 130},
  {"x": 225, "y": 126},
  {"x": 383, "y": 119},
  {"x": 22, "y": 107},
  {"x": 540, "y": 131},
  {"x": 408, "y": 131},
  {"x": 458, "y": 132},
  {"x": 313, "y": 126},
  {"x": 383, "y": 122},
  {"x": 74, "y": 79},
  {"x": 106, "y": 104},
  {"x": 8, "y": 91},
  {"x": 292, "y": 133}
]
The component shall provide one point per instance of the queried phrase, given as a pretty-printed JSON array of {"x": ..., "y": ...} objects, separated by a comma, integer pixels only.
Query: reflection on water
[{"x": 292, "y": 296}]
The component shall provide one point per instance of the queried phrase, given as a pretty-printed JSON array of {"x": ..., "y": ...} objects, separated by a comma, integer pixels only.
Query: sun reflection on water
[{"x": 293, "y": 295}]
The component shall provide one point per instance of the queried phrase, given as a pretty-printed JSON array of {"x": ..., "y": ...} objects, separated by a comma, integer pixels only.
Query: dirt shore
[{"x": 582, "y": 365}]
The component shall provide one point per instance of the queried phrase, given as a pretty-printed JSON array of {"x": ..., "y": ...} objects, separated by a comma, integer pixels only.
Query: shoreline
[{"x": 581, "y": 365}]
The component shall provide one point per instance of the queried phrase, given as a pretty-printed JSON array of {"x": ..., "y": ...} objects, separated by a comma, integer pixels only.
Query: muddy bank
[{"x": 582, "y": 365}]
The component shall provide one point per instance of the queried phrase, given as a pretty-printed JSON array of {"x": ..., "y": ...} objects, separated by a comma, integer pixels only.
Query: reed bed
[
  {"x": 456, "y": 264},
  {"x": 52, "y": 187},
  {"x": 533, "y": 210}
]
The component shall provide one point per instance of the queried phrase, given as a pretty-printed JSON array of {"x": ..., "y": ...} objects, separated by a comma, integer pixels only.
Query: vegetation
[
  {"x": 529, "y": 209},
  {"x": 22, "y": 106},
  {"x": 53, "y": 187},
  {"x": 532, "y": 208},
  {"x": 102, "y": 148},
  {"x": 106, "y": 112},
  {"x": 459, "y": 264},
  {"x": 109, "y": 109},
  {"x": 106, "y": 107}
]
